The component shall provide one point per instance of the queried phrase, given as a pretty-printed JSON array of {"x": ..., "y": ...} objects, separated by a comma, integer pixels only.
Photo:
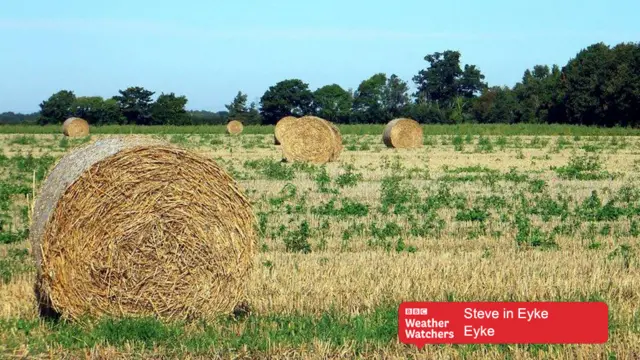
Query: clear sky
[{"x": 208, "y": 50}]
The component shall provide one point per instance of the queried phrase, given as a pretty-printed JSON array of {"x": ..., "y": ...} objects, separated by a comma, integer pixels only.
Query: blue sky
[{"x": 209, "y": 50}]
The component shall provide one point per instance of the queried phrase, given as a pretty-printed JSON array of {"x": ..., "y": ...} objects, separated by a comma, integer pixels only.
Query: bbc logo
[{"x": 416, "y": 311}]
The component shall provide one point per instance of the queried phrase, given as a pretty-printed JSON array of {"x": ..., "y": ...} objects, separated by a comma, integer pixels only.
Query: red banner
[{"x": 422, "y": 323}]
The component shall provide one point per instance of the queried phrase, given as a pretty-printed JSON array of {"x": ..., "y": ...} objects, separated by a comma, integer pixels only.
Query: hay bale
[
  {"x": 403, "y": 133},
  {"x": 338, "y": 140},
  {"x": 311, "y": 139},
  {"x": 75, "y": 127},
  {"x": 234, "y": 127},
  {"x": 137, "y": 227},
  {"x": 281, "y": 126}
]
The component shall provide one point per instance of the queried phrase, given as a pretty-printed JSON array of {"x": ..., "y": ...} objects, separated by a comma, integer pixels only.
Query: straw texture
[
  {"x": 234, "y": 127},
  {"x": 75, "y": 127},
  {"x": 281, "y": 126},
  {"x": 311, "y": 139},
  {"x": 338, "y": 140},
  {"x": 403, "y": 133},
  {"x": 138, "y": 227}
]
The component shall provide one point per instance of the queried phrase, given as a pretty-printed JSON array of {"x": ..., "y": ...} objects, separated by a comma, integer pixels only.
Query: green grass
[
  {"x": 357, "y": 129},
  {"x": 15, "y": 263},
  {"x": 258, "y": 334}
]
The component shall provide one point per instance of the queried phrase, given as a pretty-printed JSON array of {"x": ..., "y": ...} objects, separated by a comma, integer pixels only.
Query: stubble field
[{"x": 466, "y": 218}]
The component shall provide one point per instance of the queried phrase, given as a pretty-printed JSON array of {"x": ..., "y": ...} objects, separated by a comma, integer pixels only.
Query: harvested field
[{"x": 464, "y": 218}]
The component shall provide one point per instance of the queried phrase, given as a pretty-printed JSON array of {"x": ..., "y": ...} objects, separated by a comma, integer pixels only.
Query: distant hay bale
[
  {"x": 311, "y": 139},
  {"x": 75, "y": 127},
  {"x": 281, "y": 126},
  {"x": 403, "y": 133},
  {"x": 234, "y": 127},
  {"x": 137, "y": 227}
]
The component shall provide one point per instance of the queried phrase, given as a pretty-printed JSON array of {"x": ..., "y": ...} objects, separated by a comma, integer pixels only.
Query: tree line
[{"x": 599, "y": 86}]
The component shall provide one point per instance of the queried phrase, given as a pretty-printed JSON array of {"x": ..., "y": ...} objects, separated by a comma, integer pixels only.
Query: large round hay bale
[
  {"x": 311, "y": 139},
  {"x": 137, "y": 227},
  {"x": 75, "y": 127},
  {"x": 234, "y": 127},
  {"x": 403, "y": 133},
  {"x": 281, "y": 126}
]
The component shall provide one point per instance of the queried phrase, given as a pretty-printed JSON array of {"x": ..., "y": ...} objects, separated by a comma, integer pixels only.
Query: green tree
[
  {"x": 623, "y": 87},
  {"x": 135, "y": 104},
  {"x": 497, "y": 104},
  {"x": 471, "y": 82},
  {"x": 444, "y": 79},
  {"x": 602, "y": 85},
  {"x": 238, "y": 105},
  {"x": 169, "y": 109},
  {"x": 238, "y": 110},
  {"x": 333, "y": 103},
  {"x": 110, "y": 113},
  {"x": 395, "y": 97},
  {"x": 458, "y": 110},
  {"x": 288, "y": 97},
  {"x": 97, "y": 111},
  {"x": 368, "y": 102},
  {"x": 540, "y": 95},
  {"x": 252, "y": 115},
  {"x": 57, "y": 108},
  {"x": 427, "y": 113}
]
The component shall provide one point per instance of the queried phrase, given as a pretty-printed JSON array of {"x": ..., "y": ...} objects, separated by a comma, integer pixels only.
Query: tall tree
[
  {"x": 540, "y": 95},
  {"x": 585, "y": 83},
  {"x": 623, "y": 87},
  {"x": 444, "y": 79},
  {"x": 439, "y": 81},
  {"x": 57, "y": 108},
  {"x": 238, "y": 105},
  {"x": 135, "y": 104},
  {"x": 602, "y": 85},
  {"x": 395, "y": 97},
  {"x": 288, "y": 97},
  {"x": 333, "y": 103},
  {"x": 238, "y": 110},
  {"x": 471, "y": 82},
  {"x": 169, "y": 109},
  {"x": 368, "y": 102},
  {"x": 252, "y": 115}
]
